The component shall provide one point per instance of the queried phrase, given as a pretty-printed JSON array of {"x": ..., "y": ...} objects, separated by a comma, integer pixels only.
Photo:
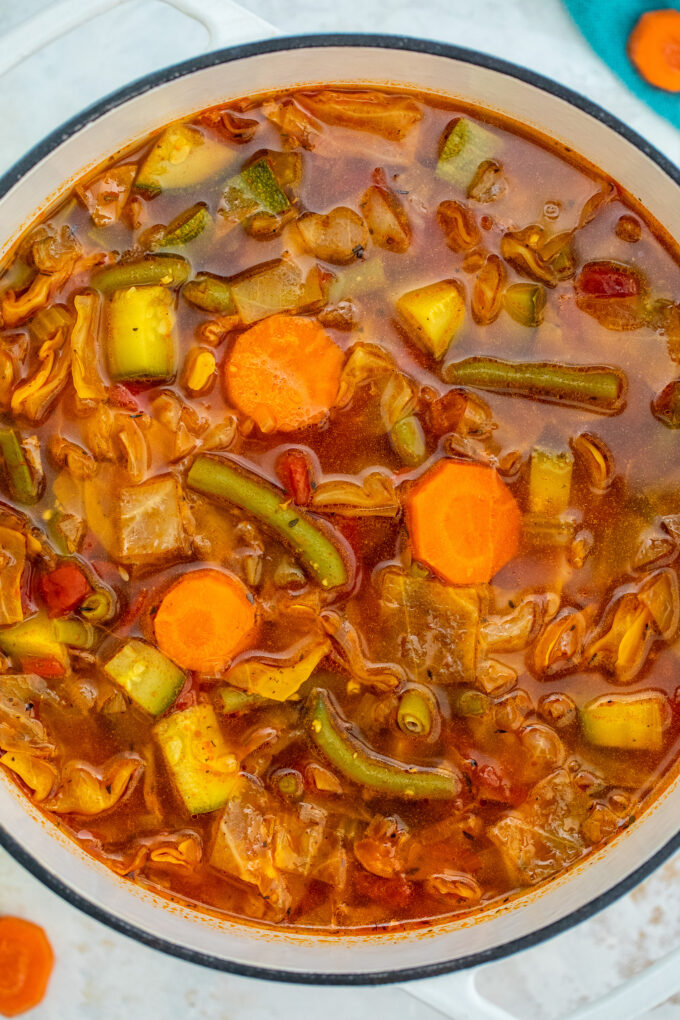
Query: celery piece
[
  {"x": 150, "y": 679},
  {"x": 223, "y": 480},
  {"x": 152, "y": 270},
  {"x": 185, "y": 227},
  {"x": 433, "y": 315},
  {"x": 631, "y": 722},
  {"x": 363, "y": 277},
  {"x": 141, "y": 334},
  {"x": 466, "y": 145},
  {"x": 212, "y": 293},
  {"x": 182, "y": 157},
  {"x": 550, "y": 481},
  {"x": 72, "y": 632},
  {"x": 23, "y": 487},
  {"x": 201, "y": 766}
]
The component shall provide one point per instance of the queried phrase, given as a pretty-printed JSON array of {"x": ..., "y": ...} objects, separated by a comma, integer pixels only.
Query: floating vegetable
[
  {"x": 12, "y": 565},
  {"x": 24, "y": 486},
  {"x": 415, "y": 712},
  {"x": 374, "y": 497},
  {"x": 633, "y": 722},
  {"x": 524, "y": 302},
  {"x": 433, "y": 315},
  {"x": 150, "y": 271},
  {"x": 278, "y": 682},
  {"x": 465, "y": 144},
  {"x": 182, "y": 157},
  {"x": 392, "y": 117},
  {"x": 338, "y": 237},
  {"x": 202, "y": 767}
]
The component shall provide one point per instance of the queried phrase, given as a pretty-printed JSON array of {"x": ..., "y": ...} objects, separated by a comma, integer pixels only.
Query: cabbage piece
[
  {"x": 543, "y": 836},
  {"x": 54, "y": 251},
  {"x": 390, "y": 116},
  {"x": 32, "y": 399},
  {"x": 384, "y": 676},
  {"x": 514, "y": 631},
  {"x": 430, "y": 627},
  {"x": 297, "y": 128},
  {"x": 374, "y": 496},
  {"x": 17, "y": 309},
  {"x": 85, "y": 789},
  {"x": 84, "y": 335},
  {"x": 19, "y": 729},
  {"x": 278, "y": 682},
  {"x": 258, "y": 843},
  {"x": 105, "y": 196},
  {"x": 151, "y": 527},
  {"x": 268, "y": 289},
  {"x": 38, "y": 775},
  {"x": 366, "y": 363},
  {"x": 12, "y": 563}
]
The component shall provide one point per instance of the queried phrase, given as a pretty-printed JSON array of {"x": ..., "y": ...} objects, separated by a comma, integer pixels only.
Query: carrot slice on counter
[
  {"x": 654, "y": 48},
  {"x": 26, "y": 961},
  {"x": 284, "y": 373},
  {"x": 205, "y": 618},
  {"x": 463, "y": 521}
]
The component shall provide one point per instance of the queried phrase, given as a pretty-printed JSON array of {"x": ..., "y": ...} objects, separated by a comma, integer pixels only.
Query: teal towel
[{"x": 606, "y": 24}]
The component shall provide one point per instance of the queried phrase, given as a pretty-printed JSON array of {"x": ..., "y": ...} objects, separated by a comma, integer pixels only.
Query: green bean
[
  {"x": 289, "y": 783},
  {"x": 212, "y": 293},
  {"x": 361, "y": 765},
  {"x": 99, "y": 606},
  {"x": 74, "y": 633},
  {"x": 408, "y": 440},
  {"x": 22, "y": 485},
  {"x": 170, "y": 270},
  {"x": 220, "y": 478},
  {"x": 596, "y": 387},
  {"x": 232, "y": 701},
  {"x": 465, "y": 701},
  {"x": 414, "y": 714}
]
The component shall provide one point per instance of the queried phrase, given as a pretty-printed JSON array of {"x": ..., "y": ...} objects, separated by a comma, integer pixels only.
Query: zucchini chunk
[
  {"x": 433, "y": 315},
  {"x": 201, "y": 766},
  {"x": 150, "y": 679},
  {"x": 631, "y": 722},
  {"x": 466, "y": 145},
  {"x": 141, "y": 340},
  {"x": 182, "y": 157}
]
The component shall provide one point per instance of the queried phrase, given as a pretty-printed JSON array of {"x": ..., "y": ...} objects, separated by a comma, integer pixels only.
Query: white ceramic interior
[{"x": 146, "y": 107}]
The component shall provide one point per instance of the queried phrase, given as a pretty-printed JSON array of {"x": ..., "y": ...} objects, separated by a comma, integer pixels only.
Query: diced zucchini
[
  {"x": 255, "y": 189},
  {"x": 361, "y": 278},
  {"x": 201, "y": 766},
  {"x": 631, "y": 722},
  {"x": 151, "y": 527},
  {"x": 35, "y": 638},
  {"x": 186, "y": 227},
  {"x": 141, "y": 340},
  {"x": 466, "y": 145},
  {"x": 212, "y": 293},
  {"x": 550, "y": 481},
  {"x": 433, "y": 315},
  {"x": 150, "y": 679},
  {"x": 182, "y": 158}
]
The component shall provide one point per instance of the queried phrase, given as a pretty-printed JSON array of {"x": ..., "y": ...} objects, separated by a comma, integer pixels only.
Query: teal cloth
[{"x": 606, "y": 24}]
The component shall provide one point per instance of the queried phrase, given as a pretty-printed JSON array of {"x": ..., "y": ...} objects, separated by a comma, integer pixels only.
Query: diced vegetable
[
  {"x": 106, "y": 195},
  {"x": 151, "y": 680},
  {"x": 392, "y": 117},
  {"x": 363, "y": 277},
  {"x": 100, "y": 606},
  {"x": 40, "y": 776},
  {"x": 27, "y": 959},
  {"x": 612, "y": 293},
  {"x": 666, "y": 405},
  {"x": 464, "y": 146},
  {"x": 463, "y": 521},
  {"x": 87, "y": 381},
  {"x": 631, "y": 722},
  {"x": 64, "y": 588},
  {"x": 182, "y": 157},
  {"x": 268, "y": 289},
  {"x": 151, "y": 529},
  {"x": 205, "y": 619},
  {"x": 596, "y": 388},
  {"x": 141, "y": 340},
  {"x": 223, "y": 480},
  {"x": 284, "y": 373},
  {"x": 467, "y": 702},
  {"x": 380, "y": 775},
  {"x": 150, "y": 271},
  {"x": 12, "y": 564},
  {"x": 459, "y": 226},
  {"x": 232, "y": 701},
  {"x": 339, "y": 237},
  {"x": 213, "y": 293},
  {"x": 33, "y": 398},
  {"x": 550, "y": 481},
  {"x": 488, "y": 183},
  {"x": 415, "y": 712},
  {"x": 374, "y": 497},
  {"x": 524, "y": 302},
  {"x": 186, "y": 226},
  {"x": 85, "y": 789},
  {"x": 433, "y": 315},
  {"x": 408, "y": 440},
  {"x": 255, "y": 189},
  {"x": 35, "y": 638},
  {"x": 487, "y": 291},
  {"x": 199, "y": 371},
  {"x": 23, "y": 486},
  {"x": 199, "y": 761},
  {"x": 294, "y": 471},
  {"x": 386, "y": 219},
  {"x": 277, "y": 683}
]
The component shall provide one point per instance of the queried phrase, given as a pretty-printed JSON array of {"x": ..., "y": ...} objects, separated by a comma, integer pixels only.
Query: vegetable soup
[{"x": 340, "y": 511}]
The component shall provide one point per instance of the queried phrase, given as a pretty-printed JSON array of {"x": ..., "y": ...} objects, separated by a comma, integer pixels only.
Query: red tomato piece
[
  {"x": 606, "y": 279},
  {"x": 63, "y": 589},
  {"x": 48, "y": 669},
  {"x": 292, "y": 467},
  {"x": 392, "y": 892}
]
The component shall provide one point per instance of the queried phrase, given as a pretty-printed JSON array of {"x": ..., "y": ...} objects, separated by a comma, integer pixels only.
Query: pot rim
[{"x": 39, "y": 152}]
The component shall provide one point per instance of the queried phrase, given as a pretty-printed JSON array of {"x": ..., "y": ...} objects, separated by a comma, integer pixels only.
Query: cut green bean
[
  {"x": 22, "y": 485},
  {"x": 212, "y": 293},
  {"x": 408, "y": 440},
  {"x": 595, "y": 387},
  {"x": 232, "y": 701},
  {"x": 465, "y": 701},
  {"x": 414, "y": 714},
  {"x": 361, "y": 765},
  {"x": 99, "y": 606},
  {"x": 168, "y": 270},
  {"x": 223, "y": 480}
]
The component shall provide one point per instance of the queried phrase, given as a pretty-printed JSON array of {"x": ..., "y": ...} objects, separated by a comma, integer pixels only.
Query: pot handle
[
  {"x": 457, "y": 995},
  {"x": 226, "y": 23}
]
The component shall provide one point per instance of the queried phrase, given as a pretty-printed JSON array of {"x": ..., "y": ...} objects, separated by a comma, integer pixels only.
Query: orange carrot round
[
  {"x": 204, "y": 620},
  {"x": 463, "y": 521},
  {"x": 26, "y": 961},
  {"x": 654, "y": 48},
  {"x": 284, "y": 373}
]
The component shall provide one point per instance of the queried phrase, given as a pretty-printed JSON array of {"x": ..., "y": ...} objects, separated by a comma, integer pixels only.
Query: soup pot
[{"x": 39, "y": 180}]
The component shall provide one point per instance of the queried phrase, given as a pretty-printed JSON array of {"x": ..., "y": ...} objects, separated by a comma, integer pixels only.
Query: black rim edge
[{"x": 7, "y": 182}]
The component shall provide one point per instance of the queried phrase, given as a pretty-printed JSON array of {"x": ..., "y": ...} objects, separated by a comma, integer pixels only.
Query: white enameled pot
[{"x": 39, "y": 180}]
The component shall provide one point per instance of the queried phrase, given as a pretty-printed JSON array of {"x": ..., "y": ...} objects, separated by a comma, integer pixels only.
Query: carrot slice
[
  {"x": 654, "y": 48},
  {"x": 26, "y": 961},
  {"x": 284, "y": 373},
  {"x": 204, "y": 620},
  {"x": 463, "y": 521}
]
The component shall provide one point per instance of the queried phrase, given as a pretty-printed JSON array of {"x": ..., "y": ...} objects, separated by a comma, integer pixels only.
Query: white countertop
[{"x": 100, "y": 975}]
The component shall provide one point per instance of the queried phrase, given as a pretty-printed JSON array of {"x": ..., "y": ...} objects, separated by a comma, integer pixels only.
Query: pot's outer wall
[{"x": 41, "y": 179}]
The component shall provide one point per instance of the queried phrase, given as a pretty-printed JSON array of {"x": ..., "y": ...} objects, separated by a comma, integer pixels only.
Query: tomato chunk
[
  {"x": 292, "y": 467},
  {"x": 63, "y": 589}
]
